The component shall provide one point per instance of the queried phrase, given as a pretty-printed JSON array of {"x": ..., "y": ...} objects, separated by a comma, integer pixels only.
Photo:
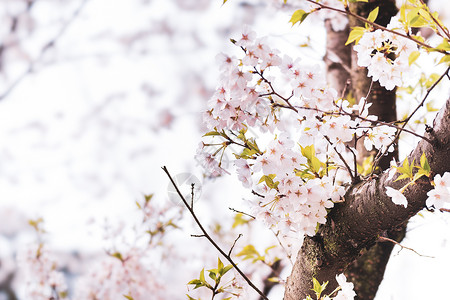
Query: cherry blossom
[
  {"x": 397, "y": 196},
  {"x": 385, "y": 55},
  {"x": 346, "y": 292},
  {"x": 440, "y": 195}
]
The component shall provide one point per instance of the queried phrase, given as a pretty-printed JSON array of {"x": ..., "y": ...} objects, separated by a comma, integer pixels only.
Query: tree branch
[{"x": 209, "y": 238}]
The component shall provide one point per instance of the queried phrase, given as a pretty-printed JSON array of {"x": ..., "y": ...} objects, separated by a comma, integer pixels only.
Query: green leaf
[
  {"x": 269, "y": 248},
  {"x": 355, "y": 35},
  {"x": 298, "y": 16},
  {"x": 219, "y": 264},
  {"x": 128, "y": 297},
  {"x": 198, "y": 283},
  {"x": 226, "y": 269},
  {"x": 148, "y": 198},
  {"x": 202, "y": 276},
  {"x": 419, "y": 174},
  {"x": 418, "y": 21},
  {"x": 406, "y": 170},
  {"x": 444, "y": 45},
  {"x": 246, "y": 153},
  {"x": 316, "y": 164},
  {"x": 117, "y": 255},
  {"x": 424, "y": 161},
  {"x": 430, "y": 107},
  {"x": 268, "y": 179},
  {"x": 212, "y": 133},
  {"x": 239, "y": 220},
  {"x": 445, "y": 58},
  {"x": 424, "y": 168},
  {"x": 316, "y": 287},
  {"x": 413, "y": 57},
  {"x": 224, "y": 1},
  {"x": 213, "y": 273},
  {"x": 249, "y": 252},
  {"x": 309, "y": 152},
  {"x": 373, "y": 15}
]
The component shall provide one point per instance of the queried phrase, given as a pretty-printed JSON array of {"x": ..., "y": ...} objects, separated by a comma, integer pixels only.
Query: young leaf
[
  {"x": 445, "y": 58},
  {"x": 318, "y": 288},
  {"x": 249, "y": 252},
  {"x": 202, "y": 276},
  {"x": 373, "y": 14},
  {"x": 212, "y": 133},
  {"x": 413, "y": 57},
  {"x": 424, "y": 162},
  {"x": 226, "y": 269},
  {"x": 198, "y": 283},
  {"x": 239, "y": 220},
  {"x": 298, "y": 16},
  {"x": 355, "y": 35}
]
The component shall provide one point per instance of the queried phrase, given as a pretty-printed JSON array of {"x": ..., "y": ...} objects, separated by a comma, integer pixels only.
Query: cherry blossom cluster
[
  {"x": 40, "y": 278},
  {"x": 295, "y": 204},
  {"x": 385, "y": 55},
  {"x": 124, "y": 274},
  {"x": 299, "y": 173}
]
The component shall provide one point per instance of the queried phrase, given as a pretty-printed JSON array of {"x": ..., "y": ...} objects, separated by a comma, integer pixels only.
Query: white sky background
[{"x": 86, "y": 133}]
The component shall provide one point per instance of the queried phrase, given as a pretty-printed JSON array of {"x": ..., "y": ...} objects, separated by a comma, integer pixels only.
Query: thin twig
[
  {"x": 241, "y": 212},
  {"x": 257, "y": 194},
  {"x": 425, "y": 97},
  {"x": 385, "y": 239},
  {"x": 437, "y": 22},
  {"x": 289, "y": 256},
  {"x": 208, "y": 237},
  {"x": 232, "y": 247},
  {"x": 192, "y": 195},
  {"x": 197, "y": 235},
  {"x": 405, "y": 121},
  {"x": 343, "y": 160}
]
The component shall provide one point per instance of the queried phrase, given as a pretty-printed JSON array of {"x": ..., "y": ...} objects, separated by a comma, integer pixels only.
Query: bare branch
[
  {"x": 385, "y": 239},
  {"x": 208, "y": 237}
]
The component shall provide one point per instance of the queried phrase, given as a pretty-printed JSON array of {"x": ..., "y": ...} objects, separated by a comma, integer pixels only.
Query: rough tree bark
[{"x": 351, "y": 243}]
